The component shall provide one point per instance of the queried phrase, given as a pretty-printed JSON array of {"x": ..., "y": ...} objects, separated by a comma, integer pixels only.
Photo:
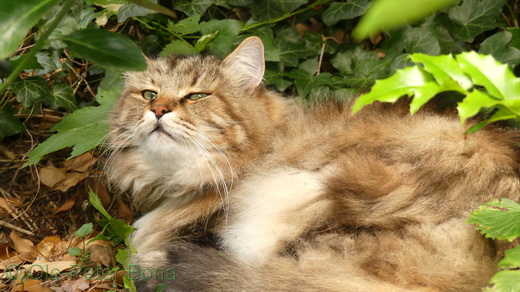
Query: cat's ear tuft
[{"x": 246, "y": 63}]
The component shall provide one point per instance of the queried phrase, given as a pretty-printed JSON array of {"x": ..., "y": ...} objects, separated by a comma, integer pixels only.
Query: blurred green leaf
[
  {"x": 84, "y": 230},
  {"x": 422, "y": 40},
  {"x": 107, "y": 49},
  {"x": 132, "y": 10},
  {"x": 185, "y": 26},
  {"x": 388, "y": 14},
  {"x": 18, "y": 17},
  {"x": 515, "y": 36},
  {"x": 177, "y": 47},
  {"x": 75, "y": 251},
  {"x": 344, "y": 10},
  {"x": 506, "y": 281},
  {"x": 9, "y": 123}
]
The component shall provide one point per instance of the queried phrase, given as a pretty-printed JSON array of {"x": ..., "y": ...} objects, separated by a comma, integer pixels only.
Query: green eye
[
  {"x": 196, "y": 96},
  {"x": 148, "y": 94}
]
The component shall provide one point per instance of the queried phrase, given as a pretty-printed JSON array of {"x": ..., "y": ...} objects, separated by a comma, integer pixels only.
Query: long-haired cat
[{"x": 245, "y": 190}]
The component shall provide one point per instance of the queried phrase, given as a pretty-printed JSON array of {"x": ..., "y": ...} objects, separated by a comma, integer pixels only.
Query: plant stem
[
  {"x": 275, "y": 20},
  {"x": 37, "y": 46}
]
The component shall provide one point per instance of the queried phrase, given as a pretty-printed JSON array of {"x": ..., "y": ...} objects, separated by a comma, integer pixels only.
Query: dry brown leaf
[
  {"x": 81, "y": 163},
  {"x": 17, "y": 259},
  {"x": 51, "y": 176},
  {"x": 101, "y": 252},
  {"x": 29, "y": 285},
  {"x": 46, "y": 246},
  {"x": 66, "y": 206},
  {"x": 72, "y": 179},
  {"x": 4, "y": 205},
  {"x": 124, "y": 212},
  {"x": 20, "y": 244},
  {"x": 75, "y": 285},
  {"x": 6, "y": 251},
  {"x": 52, "y": 268},
  {"x": 99, "y": 187}
]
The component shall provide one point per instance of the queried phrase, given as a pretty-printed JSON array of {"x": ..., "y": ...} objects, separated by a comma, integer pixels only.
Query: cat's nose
[{"x": 160, "y": 110}]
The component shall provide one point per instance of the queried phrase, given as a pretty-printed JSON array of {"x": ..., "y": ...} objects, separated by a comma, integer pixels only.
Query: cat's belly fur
[{"x": 269, "y": 209}]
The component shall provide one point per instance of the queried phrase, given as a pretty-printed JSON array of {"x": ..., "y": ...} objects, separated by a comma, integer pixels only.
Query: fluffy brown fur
[{"x": 246, "y": 190}]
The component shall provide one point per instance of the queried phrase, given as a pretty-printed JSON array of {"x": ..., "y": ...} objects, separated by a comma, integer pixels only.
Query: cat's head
[{"x": 196, "y": 114}]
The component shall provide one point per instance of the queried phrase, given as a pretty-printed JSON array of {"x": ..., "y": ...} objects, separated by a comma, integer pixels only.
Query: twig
[{"x": 11, "y": 226}]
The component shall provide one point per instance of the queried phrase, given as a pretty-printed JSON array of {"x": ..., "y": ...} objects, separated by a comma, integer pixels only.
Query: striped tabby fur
[{"x": 245, "y": 190}]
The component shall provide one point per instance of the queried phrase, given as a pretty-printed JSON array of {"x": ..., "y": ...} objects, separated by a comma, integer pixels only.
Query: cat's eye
[
  {"x": 149, "y": 94},
  {"x": 196, "y": 96}
]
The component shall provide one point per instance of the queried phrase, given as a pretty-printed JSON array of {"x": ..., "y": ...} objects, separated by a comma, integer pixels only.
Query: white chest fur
[{"x": 268, "y": 210}]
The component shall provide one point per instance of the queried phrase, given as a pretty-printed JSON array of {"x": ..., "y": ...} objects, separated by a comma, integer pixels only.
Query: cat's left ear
[{"x": 246, "y": 63}]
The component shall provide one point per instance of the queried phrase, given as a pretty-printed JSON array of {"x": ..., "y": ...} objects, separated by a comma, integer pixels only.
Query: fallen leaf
[
  {"x": 6, "y": 251},
  {"x": 29, "y": 285},
  {"x": 20, "y": 244},
  {"x": 124, "y": 212},
  {"x": 99, "y": 187},
  {"x": 4, "y": 205},
  {"x": 66, "y": 206},
  {"x": 75, "y": 285},
  {"x": 51, "y": 176},
  {"x": 101, "y": 253},
  {"x": 80, "y": 163},
  {"x": 51, "y": 268},
  {"x": 46, "y": 246},
  {"x": 17, "y": 260}
]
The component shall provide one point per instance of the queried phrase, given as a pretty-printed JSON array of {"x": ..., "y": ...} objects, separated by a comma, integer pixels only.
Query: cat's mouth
[{"x": 161, "y": 131}]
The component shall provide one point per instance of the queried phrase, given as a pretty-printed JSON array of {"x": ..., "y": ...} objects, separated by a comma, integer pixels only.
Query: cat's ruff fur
[{"x": 247, "y": 190}]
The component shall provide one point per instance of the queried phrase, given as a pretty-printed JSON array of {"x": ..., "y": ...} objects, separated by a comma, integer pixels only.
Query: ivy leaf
[
  {"x": 84, "y": 129},
  {"x": 185, "y": 26},
  {"x": 474, "y": 17},
  {"x": 9, "y": 123},
  {"x": 193, "y": 7},
  {"x": 107, "y": 49},
  {"x": 412, "y": 81},
  {"x": 18, "y": 17},
  {"x": 177, "y": 47},
  {"x": 497, "y": 46},
  {"x": 227, "y": 30},
  {"x": 422, "y": 40},
  {"x": 62, "y": 96},
  {"x": 269, "y": 9},
  {"x": 344, "y": 10},
  {"x": 498, "y": 219},
  {"x": 30, "y": 90},
  {"x": 497, "y": 78},
  {"x": 131, "y": 10}
]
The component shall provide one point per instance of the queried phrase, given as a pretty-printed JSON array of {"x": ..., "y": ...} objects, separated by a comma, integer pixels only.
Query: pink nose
[{"x": 160, "y": 110}]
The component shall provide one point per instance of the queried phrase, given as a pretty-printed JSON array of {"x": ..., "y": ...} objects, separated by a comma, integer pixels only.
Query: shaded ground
[{"x": 40, "y": 209}]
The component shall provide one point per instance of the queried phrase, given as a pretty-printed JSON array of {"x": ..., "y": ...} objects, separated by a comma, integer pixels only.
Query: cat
[{"x": 245, "y": 190}]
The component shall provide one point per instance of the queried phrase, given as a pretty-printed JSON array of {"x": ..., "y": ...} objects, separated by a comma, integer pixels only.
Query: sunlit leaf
[{"x": 498, "y": 219}]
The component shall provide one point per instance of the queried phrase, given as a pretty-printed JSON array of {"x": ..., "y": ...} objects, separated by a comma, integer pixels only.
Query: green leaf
[
  {"x": 131, "y": 10},
  {"x": 473, "y": 103},
  {"x": 32, "y": 63},
  {"x": 227, "y": 30},
  {"x": 239, "y": 3},
  {"x": 84, "y": 230},
  {"x": 443, "y": 68},
  {"x": 9, "y": 123},
  {"x": 203, "y": 42},
  {"x": 497, "y": 78},
  {"x": 152, "y": 5},
  {"x": 506, "y": 281},
  {"x": 177, "y": 47},
  {"x": 422, "y": 40},
  {"x": 193, "y": 7},
  {"x": 186, "y": 26},
  {"x": 84, "y": 129},
  {"x": 30, "y": 90},
  {"x": 388, "y": 14},
  {"x": 62, "y": 96},
  {"x": 344, "y": 10},
  {"x": 498, "y": 219},
  {"x": 18, "y": 17},
  {"x": 515, "y": 36},
  {"x": 474, "y": 17},
  {"x": 511, "y": 259},
  {"x": 497, "y": 46},
  {"x": 96, "y": 203},
  {"x": 107, "y": 49},
  {"x": 269, "y": 9},
  {"x": 75, "y": 251},
  {"x": 412, "y": 81}
]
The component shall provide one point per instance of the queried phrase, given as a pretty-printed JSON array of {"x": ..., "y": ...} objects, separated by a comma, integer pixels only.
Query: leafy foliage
[{"x": 500, "y": 219}]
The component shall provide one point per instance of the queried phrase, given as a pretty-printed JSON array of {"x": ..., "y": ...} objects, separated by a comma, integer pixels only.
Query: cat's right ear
[{"x": 246, "y": 63}]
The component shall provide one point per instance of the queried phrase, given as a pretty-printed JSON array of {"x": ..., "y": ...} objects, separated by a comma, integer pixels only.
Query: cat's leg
[
  {"x": 270, "y": 210},
  {"x": 160, "y": 226}
]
